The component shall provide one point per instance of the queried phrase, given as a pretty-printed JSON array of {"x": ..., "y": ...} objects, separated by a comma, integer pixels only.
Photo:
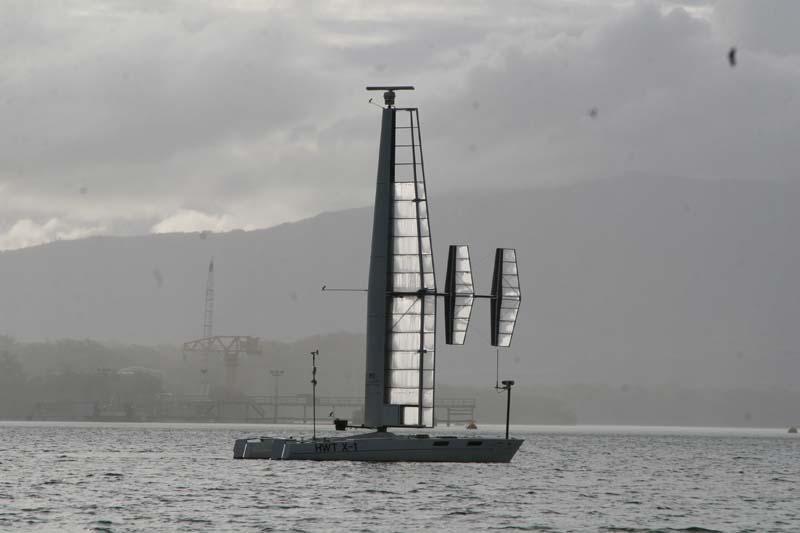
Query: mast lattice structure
[{"x": 208, "y": 316}]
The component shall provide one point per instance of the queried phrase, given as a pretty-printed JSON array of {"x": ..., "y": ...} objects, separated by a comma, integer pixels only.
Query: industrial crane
[{"x": 231, "y": 347}]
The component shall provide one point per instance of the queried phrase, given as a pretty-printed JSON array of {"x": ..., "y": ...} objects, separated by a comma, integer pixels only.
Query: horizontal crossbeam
[{"x": 390, "y": 87}]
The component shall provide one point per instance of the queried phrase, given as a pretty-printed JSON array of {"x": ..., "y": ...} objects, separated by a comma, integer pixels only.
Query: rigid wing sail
[
  {"x": 402, "y": 291},
  {"x": 505, "y": 296},
  {"x": 459, "y": 294}
]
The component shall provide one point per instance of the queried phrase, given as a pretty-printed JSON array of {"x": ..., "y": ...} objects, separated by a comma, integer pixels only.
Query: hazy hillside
[{"x": 636, "y": 280}]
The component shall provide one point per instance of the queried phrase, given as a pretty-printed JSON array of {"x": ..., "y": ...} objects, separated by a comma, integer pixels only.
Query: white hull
[{"x": 381, "y": 446}]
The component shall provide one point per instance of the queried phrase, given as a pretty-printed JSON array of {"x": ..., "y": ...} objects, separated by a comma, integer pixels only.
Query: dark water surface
[{"x": 180, "y": 477}]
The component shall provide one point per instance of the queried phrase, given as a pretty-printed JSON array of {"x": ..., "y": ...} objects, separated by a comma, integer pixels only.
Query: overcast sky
[{"x": 117, "y": 118}]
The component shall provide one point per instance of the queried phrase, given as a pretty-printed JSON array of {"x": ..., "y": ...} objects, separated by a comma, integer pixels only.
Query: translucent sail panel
[
  {"x": 411, "y": 321},
  {"x": 506, "y": 296},
  {"x": 412, "y": 414},
  {"x": 410, "y": 369},
  {"x": 459, "y": 294},
  {"x": 412, "y": 260}
]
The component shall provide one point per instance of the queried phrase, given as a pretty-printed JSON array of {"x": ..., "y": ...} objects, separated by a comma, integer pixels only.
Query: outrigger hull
[{"x": 381, "y": 446}]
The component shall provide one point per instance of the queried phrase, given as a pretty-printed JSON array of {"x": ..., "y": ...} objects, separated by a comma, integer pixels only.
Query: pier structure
[{"x": 256, "y": 409}]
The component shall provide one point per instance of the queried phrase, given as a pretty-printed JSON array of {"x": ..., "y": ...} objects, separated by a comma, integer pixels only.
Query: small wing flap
[
  {"x": 506, "y": 296},
  {"x": 459, "y": 294}
]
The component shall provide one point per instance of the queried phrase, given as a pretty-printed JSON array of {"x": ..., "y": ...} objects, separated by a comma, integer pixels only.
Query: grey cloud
[
  {"x": 143, "y": 89},
  {"x": 765, "y": 26},
  {"x": 668, "y": 102},
  {"x": 408, "y": 47},
  {"x": 259, "y": 116}
]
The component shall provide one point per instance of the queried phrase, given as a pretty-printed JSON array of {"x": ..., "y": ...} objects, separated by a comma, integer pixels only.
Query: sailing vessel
[{"x": 401, "y": 319}]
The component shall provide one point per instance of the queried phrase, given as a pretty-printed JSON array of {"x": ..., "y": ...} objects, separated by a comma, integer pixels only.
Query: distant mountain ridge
[{"x": 645, "y": 280}]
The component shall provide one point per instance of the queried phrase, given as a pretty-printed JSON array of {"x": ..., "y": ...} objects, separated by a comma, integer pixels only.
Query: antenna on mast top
[{"x": 388, "y": 96}]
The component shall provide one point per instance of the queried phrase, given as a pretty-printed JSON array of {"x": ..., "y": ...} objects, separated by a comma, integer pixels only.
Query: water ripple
[{"x": 153, "y": 477}]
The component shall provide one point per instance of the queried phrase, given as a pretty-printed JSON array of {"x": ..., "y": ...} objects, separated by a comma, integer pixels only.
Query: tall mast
[
  {"x": 208, "y": 316},
  {"x": 401, "y": 294}
]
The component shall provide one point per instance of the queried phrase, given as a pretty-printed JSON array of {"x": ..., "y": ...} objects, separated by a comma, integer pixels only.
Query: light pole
[
  {"x": 507, "y": 384},
  {"x": 314, "y": 355},
  {"x": 276, "y": 374}
]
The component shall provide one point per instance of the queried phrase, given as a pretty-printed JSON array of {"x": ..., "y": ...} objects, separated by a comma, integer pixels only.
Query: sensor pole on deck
[
  {"x": 314, "y": 355},
  {"x": 507, "y": 384}
]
